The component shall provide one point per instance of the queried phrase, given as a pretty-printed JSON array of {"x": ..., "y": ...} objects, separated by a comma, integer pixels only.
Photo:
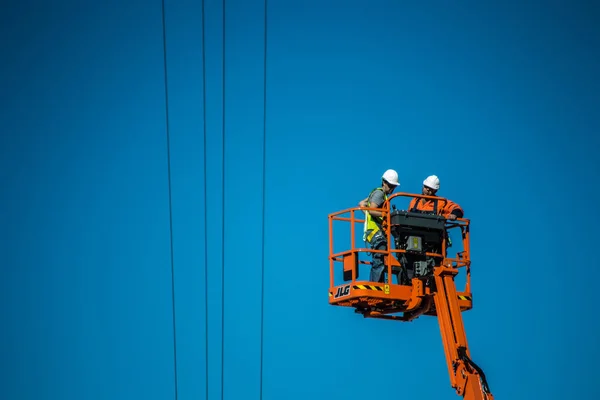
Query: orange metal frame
[
  {"x": 386, "y": 300},
  {"x": 389, "y": 295}
]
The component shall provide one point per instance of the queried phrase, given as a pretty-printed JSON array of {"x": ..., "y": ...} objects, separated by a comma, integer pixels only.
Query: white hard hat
[
  {"x": 391, "y": 177},
  {"x": 432, "y": 181}
]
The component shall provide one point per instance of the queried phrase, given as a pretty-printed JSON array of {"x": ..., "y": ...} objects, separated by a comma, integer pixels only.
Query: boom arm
[{"x": 465, "y": 376}]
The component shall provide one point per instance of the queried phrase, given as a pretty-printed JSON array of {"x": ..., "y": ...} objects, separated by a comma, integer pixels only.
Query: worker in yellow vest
[{"x": 373, "y": 233}]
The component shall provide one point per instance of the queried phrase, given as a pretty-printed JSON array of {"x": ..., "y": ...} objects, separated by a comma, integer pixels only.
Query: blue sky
[{"x": 500, "y": 101}]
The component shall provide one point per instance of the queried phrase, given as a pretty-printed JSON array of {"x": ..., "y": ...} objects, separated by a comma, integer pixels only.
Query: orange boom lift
[{"x": 417, "y": 253}]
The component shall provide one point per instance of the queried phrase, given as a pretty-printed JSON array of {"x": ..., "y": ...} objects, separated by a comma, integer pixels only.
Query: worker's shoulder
[
  {"x": 377, "y": 192},
  {"x": 452, "y": 202}
]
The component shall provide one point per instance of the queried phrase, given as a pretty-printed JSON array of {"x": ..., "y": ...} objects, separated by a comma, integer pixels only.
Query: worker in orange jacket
[{"x": 446, "y": 208}]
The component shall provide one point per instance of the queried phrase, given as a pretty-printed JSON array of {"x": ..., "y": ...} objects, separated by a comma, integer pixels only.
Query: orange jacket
[{"x": 445, "y": 207}]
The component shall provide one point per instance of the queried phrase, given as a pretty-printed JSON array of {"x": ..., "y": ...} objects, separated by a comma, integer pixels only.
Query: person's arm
[
  {"x": 412, "y": 203},
  {"x": 453, "y": 210},
  {"x": 376, "y": 201}
]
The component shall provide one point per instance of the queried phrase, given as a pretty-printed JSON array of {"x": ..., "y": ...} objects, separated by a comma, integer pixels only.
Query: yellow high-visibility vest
[{"x": 372, "y": 224}]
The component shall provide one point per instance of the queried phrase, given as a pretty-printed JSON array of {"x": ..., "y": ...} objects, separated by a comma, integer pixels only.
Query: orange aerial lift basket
[{"x": 419, "y": 278}]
